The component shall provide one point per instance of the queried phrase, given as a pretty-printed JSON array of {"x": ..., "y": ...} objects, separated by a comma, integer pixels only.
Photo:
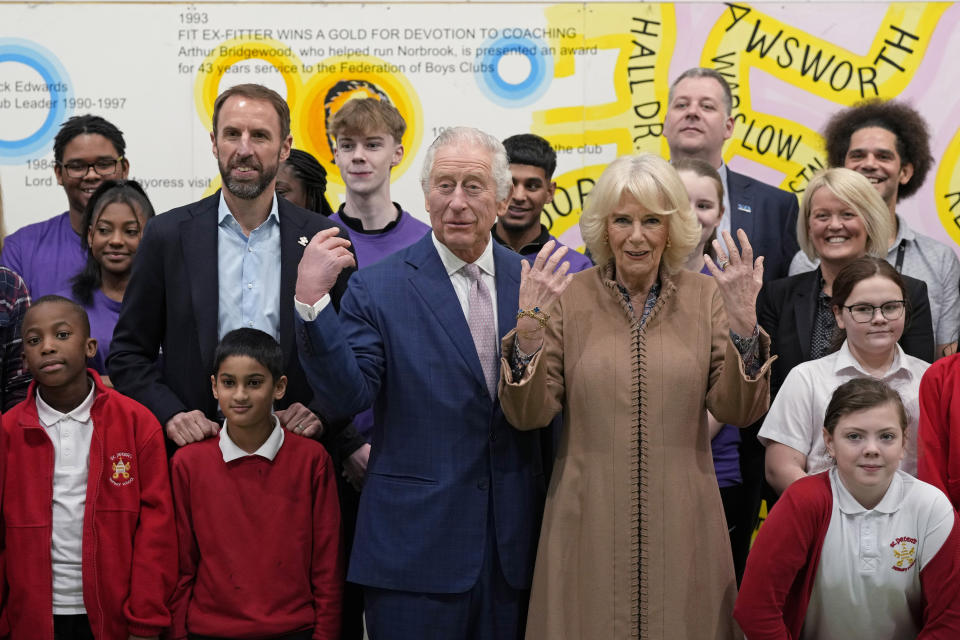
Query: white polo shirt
[
  {"x": 868, "y": 581},
  {"x": 70, "y": 434},
  {"x": 796, "y": 415},
  {"x": 268, "y": 450}
]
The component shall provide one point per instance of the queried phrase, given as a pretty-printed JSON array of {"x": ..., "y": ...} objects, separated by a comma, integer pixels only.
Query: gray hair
[
  {"x": 655, "y": 185},
  {"x": 468, "y": 136},
  {"x": 704, "y": 72}
]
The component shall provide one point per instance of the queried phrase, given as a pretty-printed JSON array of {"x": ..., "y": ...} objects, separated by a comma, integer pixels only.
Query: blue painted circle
[
  {"x": 49, "y": 68},
  {"x": 530, "y": 88}
]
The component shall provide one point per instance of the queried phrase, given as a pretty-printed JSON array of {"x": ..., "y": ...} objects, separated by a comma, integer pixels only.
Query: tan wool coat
[{"x": 634, "y": 542}]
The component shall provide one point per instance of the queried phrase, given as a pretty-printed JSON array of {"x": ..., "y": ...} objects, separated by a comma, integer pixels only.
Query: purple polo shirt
[
  {"x": 578, "y": 261},
  {"x": 46, "y": 255}
]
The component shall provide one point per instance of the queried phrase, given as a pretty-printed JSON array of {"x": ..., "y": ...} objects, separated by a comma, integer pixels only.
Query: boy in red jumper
[
  {"x": 89, "y": 542},
  {"x": 257, "y": 513}
]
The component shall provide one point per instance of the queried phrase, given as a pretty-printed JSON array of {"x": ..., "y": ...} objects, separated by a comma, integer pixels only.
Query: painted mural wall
[{"x": 590, "y": 77}]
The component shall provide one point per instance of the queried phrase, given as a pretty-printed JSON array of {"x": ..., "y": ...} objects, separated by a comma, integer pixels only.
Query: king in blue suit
[{"x": 450, "y": 512}]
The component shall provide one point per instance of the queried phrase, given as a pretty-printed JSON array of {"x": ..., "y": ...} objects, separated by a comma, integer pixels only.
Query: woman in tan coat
[{"x": 634, "y": 543}]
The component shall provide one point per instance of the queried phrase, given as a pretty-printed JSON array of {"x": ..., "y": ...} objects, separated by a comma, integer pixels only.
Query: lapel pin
[
  {"x": 302, "y": 241},
  {"x": 743, "y": 207}
]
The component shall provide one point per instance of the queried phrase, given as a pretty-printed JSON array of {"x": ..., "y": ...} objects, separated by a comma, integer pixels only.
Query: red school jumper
[
  {"x": 259, "y": 542},
  {"x": 129, "y": 537}
]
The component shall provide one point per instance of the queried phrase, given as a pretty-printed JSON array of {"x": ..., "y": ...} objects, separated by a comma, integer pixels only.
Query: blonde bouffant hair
[
  {"x": 654, "y": 185},
  {"x": 856, "y": 192}
]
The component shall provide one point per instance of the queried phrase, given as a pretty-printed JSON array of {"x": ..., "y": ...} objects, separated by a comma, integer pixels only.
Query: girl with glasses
[{"x": 870, "y": 309}]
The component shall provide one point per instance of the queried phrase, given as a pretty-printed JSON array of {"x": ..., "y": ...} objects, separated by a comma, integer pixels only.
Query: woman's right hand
[{"x": 540, "y": 287}]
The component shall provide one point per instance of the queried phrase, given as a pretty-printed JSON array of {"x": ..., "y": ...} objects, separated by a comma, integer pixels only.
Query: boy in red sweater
[
  {"x": 257, "y": 513},
  {"x": 88, "y": 533}
]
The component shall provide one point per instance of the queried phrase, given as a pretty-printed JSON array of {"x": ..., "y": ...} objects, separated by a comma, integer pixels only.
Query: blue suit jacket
[
  {"x": 443, "y": 454},
  {"x": 769, "y": 217}
]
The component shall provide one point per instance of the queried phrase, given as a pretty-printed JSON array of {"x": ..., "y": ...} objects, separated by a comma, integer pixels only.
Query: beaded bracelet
[{"x": 534, "y": 313}]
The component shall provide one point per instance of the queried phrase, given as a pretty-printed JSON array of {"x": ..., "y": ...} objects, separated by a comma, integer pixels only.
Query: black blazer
[
  {"x": 786, "y": 309},
  {"x": 769, "y": 217},
  {"x": 171, "y": 304}
]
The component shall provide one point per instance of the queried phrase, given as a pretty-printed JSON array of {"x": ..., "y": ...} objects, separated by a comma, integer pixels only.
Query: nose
[
  {"x": 116, "y": 238},
  {"x": 835, "y": 222},
  {"x": 48, "y": 345},
  {"x": 636, "y": 232},
  {"x": 878, "y": 317},
  {"x": 90, "y": 173},
  {"x": 458, "y": 200},
  {"x": 519, "y": 193}
]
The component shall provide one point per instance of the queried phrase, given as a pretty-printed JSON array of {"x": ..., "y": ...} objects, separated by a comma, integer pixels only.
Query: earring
[{"x": 668, "y": 243}]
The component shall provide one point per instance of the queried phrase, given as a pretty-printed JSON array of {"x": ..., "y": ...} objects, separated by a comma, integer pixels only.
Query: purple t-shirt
[
  {"x": 103, "y": 314},
  {"x": 45, "y": 254},
  {"x": 726, "y": 448},
  {"x": 372, "y": 248}
]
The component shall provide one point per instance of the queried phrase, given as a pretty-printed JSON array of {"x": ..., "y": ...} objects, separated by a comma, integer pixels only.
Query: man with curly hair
[{"x": 889, "y": 143}]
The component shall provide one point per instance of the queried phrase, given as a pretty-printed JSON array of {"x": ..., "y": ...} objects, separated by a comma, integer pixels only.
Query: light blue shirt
[{"x": 248, "y": 269}]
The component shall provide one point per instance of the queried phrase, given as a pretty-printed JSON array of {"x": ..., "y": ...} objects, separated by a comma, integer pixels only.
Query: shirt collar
[
  {"x": 890, "y": 503},
  {"x": 904, "y": 232},
  {"x": 453, "y": 264},
  {"x": 845, "y": 360},
  {"x": 81, "y": 413},
  {"x": 226, "y": 217},
  {"x": 267, "y": 450},
  {"x": 533, "y": 246}
]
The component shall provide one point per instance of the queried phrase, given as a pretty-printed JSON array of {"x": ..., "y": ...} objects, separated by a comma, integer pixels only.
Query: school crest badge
[
  {"x": 905, "y": 553},
  {"x": 121, "y": 465}
]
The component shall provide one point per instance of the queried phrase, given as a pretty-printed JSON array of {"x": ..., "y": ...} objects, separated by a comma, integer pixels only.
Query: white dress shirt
[{"x": 70, "y": 434}]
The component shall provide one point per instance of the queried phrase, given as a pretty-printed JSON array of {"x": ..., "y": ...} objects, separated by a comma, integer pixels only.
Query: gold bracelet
[{"x": 534, "y": 313}]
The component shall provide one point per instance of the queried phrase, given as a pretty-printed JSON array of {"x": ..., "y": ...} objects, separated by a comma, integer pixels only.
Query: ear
[
  {"x": 91, "y": 347},
  {"x": 213, "y": 141},
  {"x": 550, "y": 191},
  {"x": 397, "y": 156},
  {"x": 503, "y": 205},
  {"x": 285, "y": 148},
  {"x": 280, "y": 388},
  {"x": 213, "y": 384},
  {"x": 58, "y": 171},
  {"x": 90, "y": 235},
  {"x": 838, "y": 316},
  {"x": 124, "y": 169},
  {"x": 728, "y": 128},
  {"x": 906, "y": 172},
  {"x": 828, "y": 442}
]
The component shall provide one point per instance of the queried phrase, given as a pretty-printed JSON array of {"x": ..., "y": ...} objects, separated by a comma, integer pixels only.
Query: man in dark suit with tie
[
  {"x": 699, "y": 120},
  {"x": 227, "y": 261},
  {"x": 451, "y": 508}
]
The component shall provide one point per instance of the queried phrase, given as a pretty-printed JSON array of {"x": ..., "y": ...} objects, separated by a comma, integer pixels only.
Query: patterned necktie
[{"x": 480, "y": 319}]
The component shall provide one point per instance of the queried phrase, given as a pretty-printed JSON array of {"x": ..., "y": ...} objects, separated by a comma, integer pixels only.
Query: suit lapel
[
  {"x": 804, "y": 302},
  {"x": 198, "y": 237},
  {"x": 291, "y": 229},
  {"x": 742, "y": 214},
  {"x": 430, "y": 280}
]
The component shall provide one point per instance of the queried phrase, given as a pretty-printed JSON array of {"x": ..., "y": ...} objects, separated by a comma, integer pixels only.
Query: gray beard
[{"x": 247, "y": 190}]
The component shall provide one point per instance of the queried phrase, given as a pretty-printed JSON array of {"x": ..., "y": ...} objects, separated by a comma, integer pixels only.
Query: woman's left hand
[{"x": 739, "y": 279}]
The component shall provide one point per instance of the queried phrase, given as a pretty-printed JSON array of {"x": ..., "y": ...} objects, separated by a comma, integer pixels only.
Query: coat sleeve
[
  {"x": 153, "y": 571},
  {"x": 15, "y": 377},
  {"x": 343, "y": 356},
  {"x": 327, "y": 569},
  {"x": 782, "y": 564},
  {"x": 940, "y": 583},
  {"x": 934, "y": 432},
  {"x": 135, "y": 348},
  {"x": 732, "y": 397},
  {"x": 533, "y": 401},
  {"x": 189, "y": 553}
]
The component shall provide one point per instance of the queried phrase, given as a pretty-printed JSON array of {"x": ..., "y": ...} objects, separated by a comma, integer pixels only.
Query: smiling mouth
[{"x": 836, "y": 239}]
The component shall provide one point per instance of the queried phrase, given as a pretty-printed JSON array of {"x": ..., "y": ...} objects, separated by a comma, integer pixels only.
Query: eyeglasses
[
  {"x": 864, "y": 312},
  {"x": 79, "y": 168}
]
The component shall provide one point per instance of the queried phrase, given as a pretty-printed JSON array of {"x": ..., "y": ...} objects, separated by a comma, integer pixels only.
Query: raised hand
[
  {"x": 323, "y": 259},
  {"x": 739, "y": 278},
  {"x": 540, "y": 287}
]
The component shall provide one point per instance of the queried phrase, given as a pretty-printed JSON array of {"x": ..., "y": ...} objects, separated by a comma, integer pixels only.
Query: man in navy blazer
[
  {"x": 450, "y": 512},
  {"x": 699, "y": 120},
  {"x": 171, "y": 319}
]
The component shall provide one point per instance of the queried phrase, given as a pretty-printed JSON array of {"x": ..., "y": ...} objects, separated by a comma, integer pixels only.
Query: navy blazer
[
  {"x": 769, "y": 217},
  {"x": 786, "y": 310},
  {"x": 171, "y": 304},
  {"x": 443, "y": 454}
]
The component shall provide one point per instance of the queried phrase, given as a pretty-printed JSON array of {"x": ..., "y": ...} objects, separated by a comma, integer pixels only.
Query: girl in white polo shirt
[
  {"x": 862, "y": 550},
  {"x": 870, "y": 305}
]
